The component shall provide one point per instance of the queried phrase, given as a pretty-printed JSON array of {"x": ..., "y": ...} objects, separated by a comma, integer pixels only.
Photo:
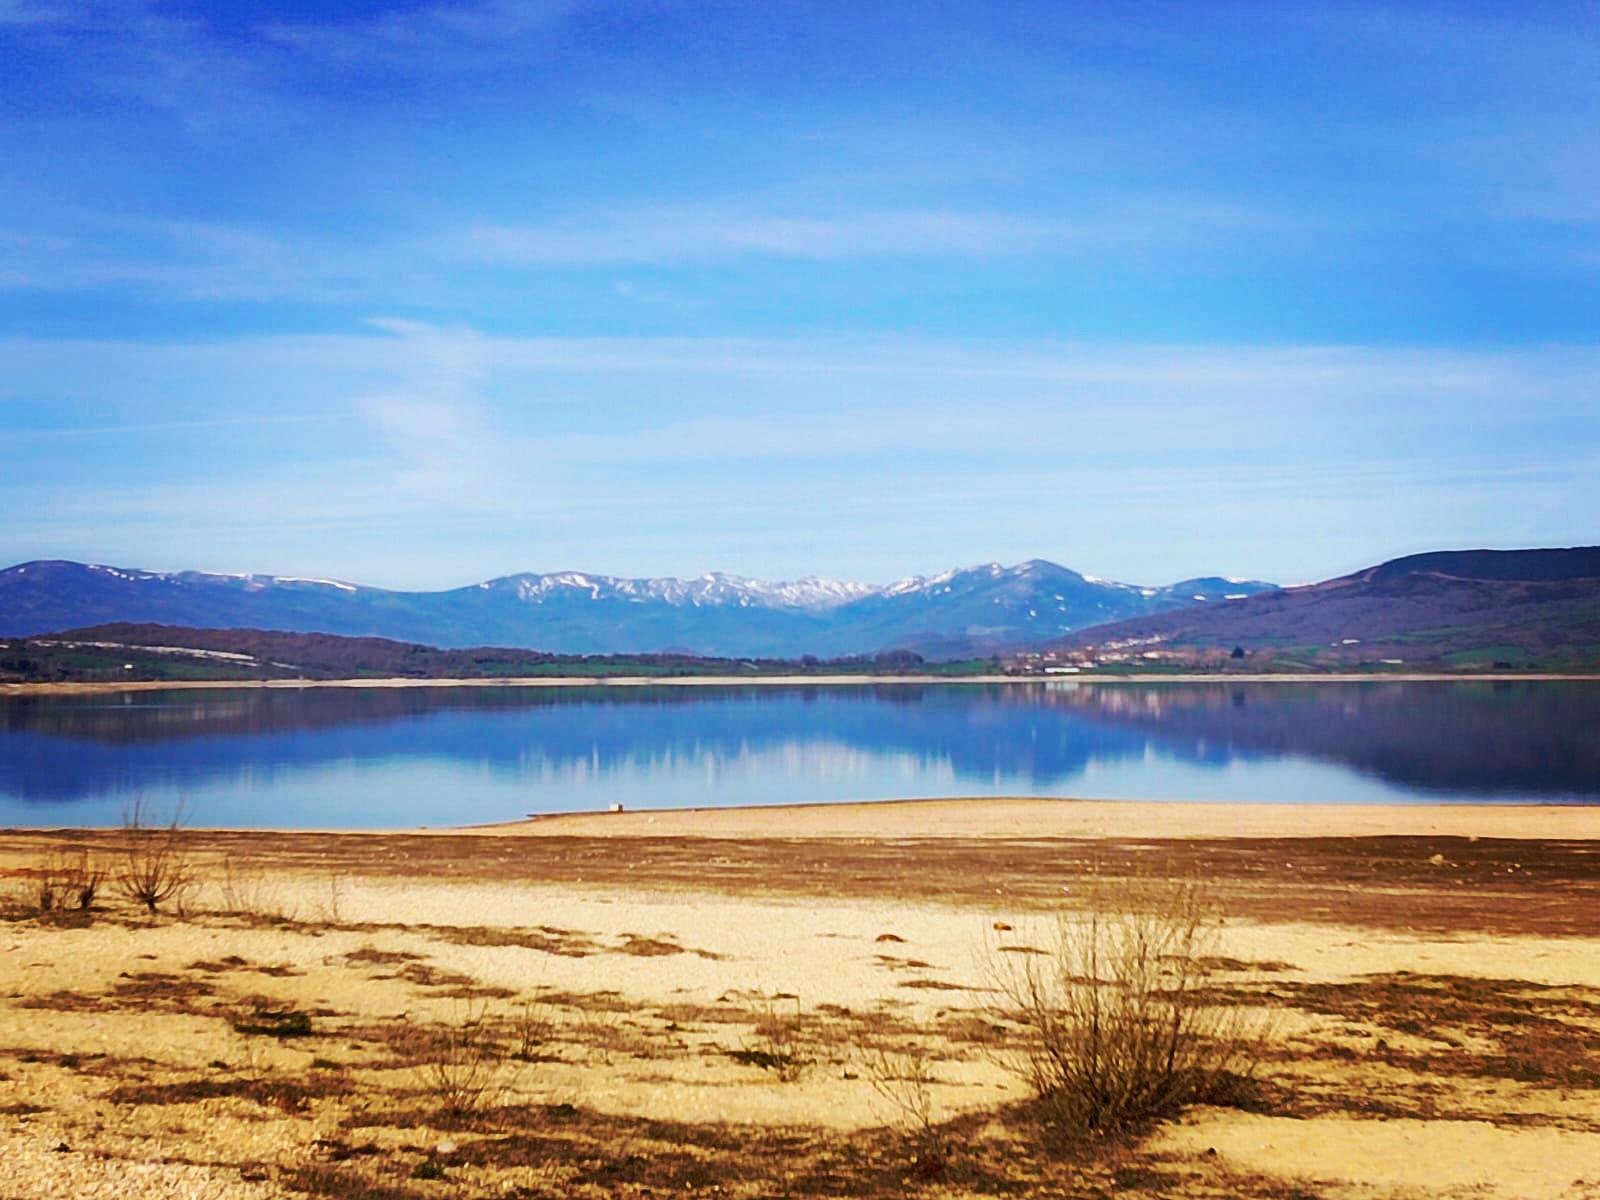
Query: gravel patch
[{"x": 36, "y": 1168}]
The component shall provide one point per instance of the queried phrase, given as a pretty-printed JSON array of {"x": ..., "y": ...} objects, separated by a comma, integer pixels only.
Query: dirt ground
[{"x": 790, "y": 1004}]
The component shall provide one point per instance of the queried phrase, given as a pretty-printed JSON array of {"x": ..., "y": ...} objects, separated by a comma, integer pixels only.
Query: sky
[{"x": 421, "y": 294}]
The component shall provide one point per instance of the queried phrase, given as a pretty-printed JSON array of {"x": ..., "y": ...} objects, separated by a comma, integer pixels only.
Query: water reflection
[{"x": 372, "y": 757}]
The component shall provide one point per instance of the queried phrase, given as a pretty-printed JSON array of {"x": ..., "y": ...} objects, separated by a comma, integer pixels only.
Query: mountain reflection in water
[{"x": 380, "y": 756}]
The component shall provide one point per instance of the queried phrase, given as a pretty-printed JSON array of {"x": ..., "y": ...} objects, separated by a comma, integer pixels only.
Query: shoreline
[
  {"x": 1046, "y": 818},
  {"x": 979, "y": 819},
  {"x": 637, "y": 681}
]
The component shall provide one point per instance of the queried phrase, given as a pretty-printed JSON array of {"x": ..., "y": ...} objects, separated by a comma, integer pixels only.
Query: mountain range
[
  {"x": 1449, "y": 608},
  {"x": 959, "y": 613}
]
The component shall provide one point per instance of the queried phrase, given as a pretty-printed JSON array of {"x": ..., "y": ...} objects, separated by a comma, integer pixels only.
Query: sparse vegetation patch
[
  {"x": 275, "y": 1023},
  {"x": 1117, "y": 1029}
]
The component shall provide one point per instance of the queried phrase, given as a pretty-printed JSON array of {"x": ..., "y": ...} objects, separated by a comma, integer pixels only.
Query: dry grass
[
  {"x": 279, "y": 1092},
  {"x": 1490, "y": 885},
  {"x": 548, "y": 939}
]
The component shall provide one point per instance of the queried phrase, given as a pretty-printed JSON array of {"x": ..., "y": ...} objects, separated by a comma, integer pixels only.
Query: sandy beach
[
  {"x": 1032, "y": 817},
  {"x": 1430, "y": 978}
]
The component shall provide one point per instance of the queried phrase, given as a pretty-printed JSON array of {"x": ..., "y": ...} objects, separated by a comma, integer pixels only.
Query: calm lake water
[{"x": 374, "y": 758}]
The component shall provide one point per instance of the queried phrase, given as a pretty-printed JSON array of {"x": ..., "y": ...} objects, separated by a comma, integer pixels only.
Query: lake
[{"x": 395, "y": 757}]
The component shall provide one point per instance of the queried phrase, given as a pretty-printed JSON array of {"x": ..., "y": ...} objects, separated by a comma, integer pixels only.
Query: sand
[
  {"x": 1435, "y": 1024},
  {"x": 1028, "y": 817}
]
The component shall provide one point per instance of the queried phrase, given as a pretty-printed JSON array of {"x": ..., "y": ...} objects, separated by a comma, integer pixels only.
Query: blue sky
[{"x": 421, "y": 294}]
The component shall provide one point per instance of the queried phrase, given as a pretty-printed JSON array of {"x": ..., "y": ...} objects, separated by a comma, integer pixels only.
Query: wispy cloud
[
  {"x": 430, "y": 37},
  {"x": 685, "y": 234},
  {"x": 139, "y": 428},
  {"x": 441, "y": 434},
  {"x": 80, "y": 250},
  {"x": 486, "y": 453},
  {"x": 32, "y": 12},
  {"x": 667, "y": 235},
  {"x": 87, "y": 251},
  {"x": 142, "y": 53}
]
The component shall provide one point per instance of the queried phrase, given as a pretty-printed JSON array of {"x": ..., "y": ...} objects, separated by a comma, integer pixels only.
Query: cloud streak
[
  {"x": 688, "y": 234},
  {"x": 210, "y": 260},
  {"x": 430, "y": 37},
  {"x": 507, "y": 452}
]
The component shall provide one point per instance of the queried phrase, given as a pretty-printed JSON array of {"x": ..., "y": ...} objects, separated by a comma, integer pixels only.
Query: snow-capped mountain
[
  {"x": 715, "y": 588},
  {"x": 954, "y": 613}
]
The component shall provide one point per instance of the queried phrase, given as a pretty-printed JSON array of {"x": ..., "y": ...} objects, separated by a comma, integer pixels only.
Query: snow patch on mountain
[
  {"x": 714, "y": 588},
  {"x": 333, "y": 583}
]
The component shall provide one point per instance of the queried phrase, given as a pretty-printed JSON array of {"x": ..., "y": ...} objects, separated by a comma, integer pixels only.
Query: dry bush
[
  {"x": 252, "y": 892},
  {"x": 330, "y": 908},
  {"x": 1117, "y": 1027},
  {"x": 903, "y": 1078},
  {"x": 154, "y": 867},
  {"x": 464, "y": 1066},
  {"x": 68, "y": 881},
  {"x": 779, "y": 1042},
  {"x": 532, "y": 1032}
]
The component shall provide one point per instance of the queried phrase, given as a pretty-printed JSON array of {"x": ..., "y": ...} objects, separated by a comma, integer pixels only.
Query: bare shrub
[
  {"x": 464, "y": 1067},
  {"x": 252, "y": 892},
  {"x": 154, "y": 866},
  {"x": 69, "y": 881},
  {"x": 260, "y": 893},
  {"x": 1117, "y": 1027},
  {"x": 330, "y": 909},
  {"x": 901, "y": 1073},
  {"x": 903, "y": 1078},
  {"x": 779, "y": 1042},
  {"x": 532, "y": 1031}
]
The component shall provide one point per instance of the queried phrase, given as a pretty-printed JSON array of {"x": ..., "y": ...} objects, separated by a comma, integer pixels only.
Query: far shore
[
  {"x": 633, "y": 681},
  {"x": 1031, "y": 818}
]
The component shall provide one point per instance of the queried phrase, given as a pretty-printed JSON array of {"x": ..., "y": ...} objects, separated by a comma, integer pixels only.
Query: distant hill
[
  {"x": 955, "y": 614},
  {"x": 139, "y": 652},
  {"x": 1453, "y": 609}
]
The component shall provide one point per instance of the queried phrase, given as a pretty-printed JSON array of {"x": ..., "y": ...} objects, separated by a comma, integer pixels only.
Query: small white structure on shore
[{"x": 615, "y": 808}]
